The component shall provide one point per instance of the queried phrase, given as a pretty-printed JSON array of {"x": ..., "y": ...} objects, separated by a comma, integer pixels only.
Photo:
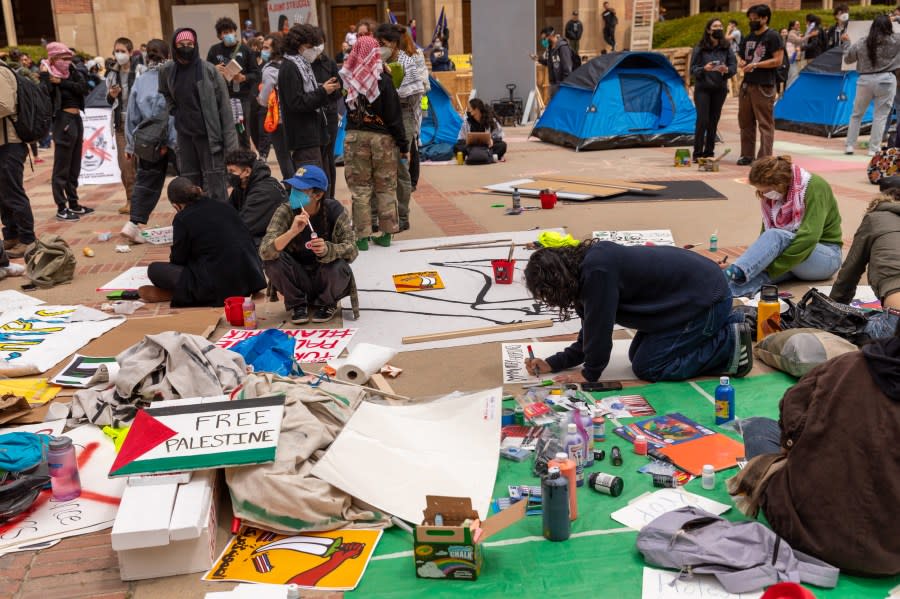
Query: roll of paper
[{"x": 365, "y": 359}]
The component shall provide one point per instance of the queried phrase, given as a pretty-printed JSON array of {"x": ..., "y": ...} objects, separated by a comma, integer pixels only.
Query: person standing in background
[
  {"x": 249, "y": 32},
  {"x": 350, "y": 36},
  {"x": 242, "y": 86},
  {"x": 734, "y": 36},
  {"x": 610, "y": 20},
  {"x": 273, "y": 58},
  {"x": 412, "y": 30},
  {"x": 837, "y": 33},
  {"x": 813, "y": 41},
  {"x": 712, "y": 64},
  {"x": 574, "y": 30},
  {"x": 119, "y": 81},
  {"x": 793, "y": 45},
  {"x": 15, "y": 207},
  {"x": 558, "y": 58},
  {"x": 326, "y": 69}
]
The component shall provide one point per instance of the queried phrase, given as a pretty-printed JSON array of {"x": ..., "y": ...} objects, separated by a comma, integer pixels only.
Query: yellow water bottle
[{"x": 768, "y": 312}]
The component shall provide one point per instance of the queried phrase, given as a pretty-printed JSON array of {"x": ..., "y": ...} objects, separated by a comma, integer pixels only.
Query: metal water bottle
[{"x": 555, "y": 497}]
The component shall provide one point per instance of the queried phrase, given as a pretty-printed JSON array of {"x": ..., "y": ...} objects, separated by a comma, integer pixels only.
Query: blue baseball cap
[{"x": 308, "y": 177}]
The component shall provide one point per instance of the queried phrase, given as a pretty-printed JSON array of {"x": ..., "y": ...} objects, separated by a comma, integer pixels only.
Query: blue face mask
[
  {"x": 230, "y": 39},
  {"x": 545, "y": 43},
  {"x": 265, "y": 55},
  {"x": 298, "y": 199}
]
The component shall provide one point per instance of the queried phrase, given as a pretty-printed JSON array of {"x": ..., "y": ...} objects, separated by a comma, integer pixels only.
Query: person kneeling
[
  {"x": 479, "y": 149},
  {"x": 308, "y": 248},
  {"x": 255, "y": 193},
  {"x": 212, "y": 257},
  {"x": 677, "y": 301}
]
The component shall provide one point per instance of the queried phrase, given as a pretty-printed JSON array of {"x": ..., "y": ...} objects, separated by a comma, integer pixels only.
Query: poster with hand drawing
[
  {"x": 470, "y": 299},
  {"x": 646, "y": 237}
]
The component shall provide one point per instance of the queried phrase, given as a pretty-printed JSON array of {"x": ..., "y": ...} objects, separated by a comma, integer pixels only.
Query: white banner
[
  {"x": 99, "y": 164},
  {"x": 285, "y": 13}
]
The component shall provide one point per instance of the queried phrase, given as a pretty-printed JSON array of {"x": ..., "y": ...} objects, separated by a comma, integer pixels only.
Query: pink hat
[
  {"x": 55, "y": 49},
  {"x": 185, "y": 35}
]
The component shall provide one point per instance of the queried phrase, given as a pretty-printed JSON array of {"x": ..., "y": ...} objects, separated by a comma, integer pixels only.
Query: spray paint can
[
  {"x": 555, "y": 500},
  {"x": 608, "y": 484}
]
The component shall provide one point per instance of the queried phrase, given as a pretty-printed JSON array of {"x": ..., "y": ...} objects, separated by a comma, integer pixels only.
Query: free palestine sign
[{"x": 201, "y": 433}]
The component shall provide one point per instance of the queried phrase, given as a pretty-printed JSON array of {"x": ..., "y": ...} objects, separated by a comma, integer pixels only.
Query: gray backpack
[{"x": 743, "y": 556}]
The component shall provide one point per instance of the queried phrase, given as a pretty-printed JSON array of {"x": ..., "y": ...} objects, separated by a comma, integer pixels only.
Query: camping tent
[
  {"x": 616, "y": 100},
  {"x": 440, "y": 123},
  {"x": 820, "y": 100}
]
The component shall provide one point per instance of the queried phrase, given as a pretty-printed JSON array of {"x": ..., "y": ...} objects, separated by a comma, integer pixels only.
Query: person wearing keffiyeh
[{"x": 801, "y": 229}]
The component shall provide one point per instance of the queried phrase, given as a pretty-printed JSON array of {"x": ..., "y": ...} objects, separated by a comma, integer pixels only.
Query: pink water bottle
[{"x": 64, "y": 479}]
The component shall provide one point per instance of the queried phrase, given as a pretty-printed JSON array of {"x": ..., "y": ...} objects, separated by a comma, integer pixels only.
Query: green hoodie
[{"x": 876, "y": 243}]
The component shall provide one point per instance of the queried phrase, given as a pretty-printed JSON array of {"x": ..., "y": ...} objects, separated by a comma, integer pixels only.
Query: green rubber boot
[
  {"x": 362, "y": 244},
  {"x": 383, "y": 240}
]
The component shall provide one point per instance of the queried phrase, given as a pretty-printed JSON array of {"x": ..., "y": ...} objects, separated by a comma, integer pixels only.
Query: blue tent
[
  {"x": 619, "y": 100},
  {"x": 440, "y": 123},
  {"x": 820, "y": 100}
]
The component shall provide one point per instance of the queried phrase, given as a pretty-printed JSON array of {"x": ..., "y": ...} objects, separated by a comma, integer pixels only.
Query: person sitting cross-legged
[{"x": 308, "y": 248}]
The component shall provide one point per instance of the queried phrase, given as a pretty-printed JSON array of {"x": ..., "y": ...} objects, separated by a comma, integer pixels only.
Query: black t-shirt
[{"x": 758, "y": 47}]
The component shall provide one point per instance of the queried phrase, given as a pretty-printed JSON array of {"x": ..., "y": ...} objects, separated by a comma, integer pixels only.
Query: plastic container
[
  {"x": 555, "y": 499},
  {"x": 64, "y": 479},
  {"x": 709, "y": 477},
  {"x": 574, "y": 446},
  {"x": 548, "y": 199},
  {"x": 248, "y": 309},
  {"x": 714, "y": 243},
  {"x": 640, "y": 445},
  {"x": 768, "y": 309},
  {"x": 234, "y": 311},
  {"x": 608, "y": 484},
  {"x": 587, "y": 432},
  {"x": 459, "y": 158},
  {"x": 567, "y": 469},
  {"x": 503, "y": 271},
  {"x": 724, "y": 401}
]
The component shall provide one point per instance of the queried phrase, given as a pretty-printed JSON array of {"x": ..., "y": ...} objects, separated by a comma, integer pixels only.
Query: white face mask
[
  {"x": 309, "y": 54},
  {"x": 386, "y": 53},
  {"x": 319, "y": 49},
  {"x": 121, "y": 57},
  {"x": 773, "y": 195},
  {"x": 843, "y": 17}
]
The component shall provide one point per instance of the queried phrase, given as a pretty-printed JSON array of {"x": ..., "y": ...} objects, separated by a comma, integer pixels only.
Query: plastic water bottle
[
  {"x": 574, "y": 446},
  {"x": 555, "y": 499},
  {"x": 249, "y": 310},
  {"x": 724, "y": 401},
  {"x": 64, "y": 479}
]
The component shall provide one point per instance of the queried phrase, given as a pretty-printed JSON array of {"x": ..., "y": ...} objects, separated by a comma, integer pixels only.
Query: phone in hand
[{"x": 602, "y": 386}]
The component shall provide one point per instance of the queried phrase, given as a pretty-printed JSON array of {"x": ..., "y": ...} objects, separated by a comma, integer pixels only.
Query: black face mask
[
  {"x": 234, "y": 180},
  {"x": 718, "y": 34},
  {"x": 755, "y": 25},
  {"x": 185, "y": 53}
]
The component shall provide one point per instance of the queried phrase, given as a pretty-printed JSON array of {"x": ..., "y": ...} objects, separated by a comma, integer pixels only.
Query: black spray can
[
  {"x": 606, "y": 483},
  {"x": 555, "y": 494}
]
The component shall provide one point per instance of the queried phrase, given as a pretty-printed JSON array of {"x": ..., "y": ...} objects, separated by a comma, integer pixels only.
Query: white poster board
[
  {"x": 132, "y": 279},
  {"x": 513, "y": 357},
  {"x": 631, "y": 238},
  {"x": 99, "y": 161},
  {"x": 668, "y": 584},
  {"x": 857, "y": 30},
  {"x": 283, "y": 14},
  {"x": 202, "y": 19},
  {"x": 647, "y": 507}
]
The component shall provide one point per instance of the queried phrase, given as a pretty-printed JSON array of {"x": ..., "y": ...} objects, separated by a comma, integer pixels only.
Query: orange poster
[{"x": 418, "y": 281}]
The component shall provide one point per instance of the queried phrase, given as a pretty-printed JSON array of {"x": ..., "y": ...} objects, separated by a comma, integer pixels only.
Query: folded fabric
[{"x": 797, "y": 351}]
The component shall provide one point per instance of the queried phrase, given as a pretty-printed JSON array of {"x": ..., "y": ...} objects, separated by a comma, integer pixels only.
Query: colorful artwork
[
  {"x": 663, "y": 430},
  {"x": 418, "y": 281},
  {"x": 312, "y": 345},
  {"x": 335, "y": 560},
  {"x": 647, "y": 237}
]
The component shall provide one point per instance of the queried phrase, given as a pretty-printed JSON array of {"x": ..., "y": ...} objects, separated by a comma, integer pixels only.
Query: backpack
[
  {"x": 25, "y": 472},
  {"x": 34, "y": 112},
  {"x": 479, "y": 155},
  {"x": 743, "y": 556},
  {"x": 150, "y": 136},
  {"x": 818, "y": 311},
  {"x": 576, "y": 59},
  {"x": 781, "y": 73},
  {"x": 50, "y": 262},
  {"x": 436, "y": 152},
  {"x": 885, "y": 163}
]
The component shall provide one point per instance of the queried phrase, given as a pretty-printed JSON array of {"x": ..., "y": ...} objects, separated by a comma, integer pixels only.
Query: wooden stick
[
  {"x": 481, "y": 247},
  {"x": 633, "y": 185},
  {"x": 498, "y": 328},
  {"x": 462, "y": 245},
  {"x": 512, "y": 248}
]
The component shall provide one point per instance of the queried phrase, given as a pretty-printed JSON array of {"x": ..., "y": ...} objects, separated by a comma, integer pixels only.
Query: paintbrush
[
  {"x": 512, "y": 248},
  {"x": 691, "y": 246}
]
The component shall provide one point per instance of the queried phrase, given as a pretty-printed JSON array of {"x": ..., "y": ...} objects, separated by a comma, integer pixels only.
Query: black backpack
[
  {"x": 150, "y": 136},
  {"x": 34, "y": 112},
  {"x": 781, "y": 73}
]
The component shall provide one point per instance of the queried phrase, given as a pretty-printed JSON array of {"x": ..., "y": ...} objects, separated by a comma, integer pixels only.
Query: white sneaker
[
  {"x": 848, "y": 150},
  {"x": 132, "y": 232},
  {"x": 13, "y": 270},
  {"x": 872, "y": 152}
]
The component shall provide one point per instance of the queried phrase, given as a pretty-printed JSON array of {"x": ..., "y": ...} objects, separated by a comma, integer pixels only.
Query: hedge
[{"x": 687, "y": 31}]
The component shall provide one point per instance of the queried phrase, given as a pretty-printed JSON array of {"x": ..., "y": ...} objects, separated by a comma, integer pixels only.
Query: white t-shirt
[{"x": 350, "y": 38}]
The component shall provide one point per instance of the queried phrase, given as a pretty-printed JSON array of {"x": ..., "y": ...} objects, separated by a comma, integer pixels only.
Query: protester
[
  {"x": 303, "y": 99},
  {"x": 308, "y": 248},
  {"x": 350, "y": 36},
  {"x": 365, "y": 27},
  {"x": 22, "y": 64},
  {"x": 425, "y": 80},
  {"x": 801, "y": 227},
  {"x": 272, "y": 53},
  {"x": 325, "y": 69},
  {"x": 814, "y": 42},
  {"x": 574, "y": 30},
  {"x": 243, "y": 85},
  {"x": 398, "y": 47},
  {"x": 67, "y": 87},
  {"x": 610, "y": 20},
  {"x": 557, "y": 57},
  {"x": 734, "y": 36},
  {"x": 212, "y": 257},
  {"x": 15, "y": 207},
  {"x": 837, "y": 33},
  {"x": 877, "y": 57},
  {"x": 119, "y": 81},
  {"x": 480, "y": 119},
  {"x": 761, "y": 54},
  {"x": 249, "y": 32},
  {"x": 342, "y": 55},
  {"x": 412, "y": 30},
  {"x": 255, "y": 193},
  {"x": 95, "y": 69},
  {"x": 712, "y": 64},
  {"x": 440, "y": 58},
  {"x": 146, "y": 104},
  {"x": 684, "y": 321},
  {"x": 820, "y": 473},
  {"x": 375, "y": 140},
  {"x": 198, "y": 99}
]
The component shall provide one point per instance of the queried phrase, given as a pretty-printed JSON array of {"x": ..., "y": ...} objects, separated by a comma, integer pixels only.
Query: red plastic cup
[
  {"x": 234, "y": 311},
  {"x": 503, "y": 271},
  {"x": 548, "y": 200}
]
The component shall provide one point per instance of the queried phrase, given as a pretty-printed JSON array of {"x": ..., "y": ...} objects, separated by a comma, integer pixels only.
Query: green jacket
[
  {"x": 876, "y": 243},
  {"x": 821, "y": 224}
]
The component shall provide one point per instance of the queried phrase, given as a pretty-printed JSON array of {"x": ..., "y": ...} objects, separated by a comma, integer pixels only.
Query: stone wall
[{"x": 92, "y": 26}]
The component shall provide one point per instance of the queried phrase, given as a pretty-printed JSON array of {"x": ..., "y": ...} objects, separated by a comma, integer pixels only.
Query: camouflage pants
[
  {"x": 370, "y": 168},
  {"x": 404, "y": 182}
]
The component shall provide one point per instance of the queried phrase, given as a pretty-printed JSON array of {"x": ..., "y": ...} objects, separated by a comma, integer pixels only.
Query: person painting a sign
[{"x": 677, "y": 301}]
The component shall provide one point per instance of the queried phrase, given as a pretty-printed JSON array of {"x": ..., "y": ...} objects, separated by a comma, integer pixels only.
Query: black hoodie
[
  {"x": 190, "y": 115},
  {"x": 883, "y": 359}
]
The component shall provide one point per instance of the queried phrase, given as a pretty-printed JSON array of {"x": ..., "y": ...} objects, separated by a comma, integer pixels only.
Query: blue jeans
[
  {"x": 761, "y": 436},
  {"x": 882, "y": 325},
  {"x": 706, "y": 344},
  {"x": 821, "y": 264}
]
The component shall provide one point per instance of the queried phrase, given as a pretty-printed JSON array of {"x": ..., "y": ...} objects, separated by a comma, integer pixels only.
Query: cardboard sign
[
  {"x": 99, "y": 164},
  {"x": 647, "y": 237},
  {"x": 201, "y": 433},
  {"x": 335, "y": 560},
  {"x": 514, "y": 354},
  {"x": 159, "y": 235},
  {"x": 418, "y": 281},
  {"x": 644, "y": 509},
  {"x": 130, "y": 280},
  {"x": 85, "y": 371},
  {"x": 311, "y": 345}
]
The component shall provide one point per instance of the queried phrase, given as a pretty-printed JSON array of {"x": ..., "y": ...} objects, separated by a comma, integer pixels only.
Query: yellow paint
[{"x": 35, "y": 391}]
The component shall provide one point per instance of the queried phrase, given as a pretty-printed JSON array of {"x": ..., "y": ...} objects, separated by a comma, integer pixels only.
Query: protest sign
[
  {"x": 283, "y": 14},
  {"x": 99, "y": 165},
  {"x": 514, "y": 354},
  {"x": 85, "y": 371},
  {"x": 312, "y": 345},
  {"x": 645, "y": 237}
]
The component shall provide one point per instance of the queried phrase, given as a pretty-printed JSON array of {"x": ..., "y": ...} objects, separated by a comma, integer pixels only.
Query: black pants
[
  {"x": 609, "y": 36},
  {"x": 328, "y": 152},
  {"x": 499, "y": 148},
  {"x": 285, "y": 161},
  {"x": 205, "y": 169},
  {"x": 15, "y": 208},
  {"x": 414, "y": 166},
  {"x": 164, "y": 275},
  {"x": 311, "y": 155},
  {"x": 263, "y": 141},
  {"x": 148, "y": 186},
  {"x": 68, "y": 137},
  {"x": 709, "y": 108},
  {"x": 251, "y": 119},
  {"x": 317, "y": 284}
]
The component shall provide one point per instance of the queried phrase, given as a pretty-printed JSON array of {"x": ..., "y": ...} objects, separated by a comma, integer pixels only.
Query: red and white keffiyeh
[
  {"x": 787, "y": 213},
  {"x": 362, "y": 70}
]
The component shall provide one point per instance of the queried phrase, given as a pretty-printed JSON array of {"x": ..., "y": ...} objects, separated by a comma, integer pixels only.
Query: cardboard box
[
  {"x": 453, "y": 551},
  {"x": 167, "y": 529}
]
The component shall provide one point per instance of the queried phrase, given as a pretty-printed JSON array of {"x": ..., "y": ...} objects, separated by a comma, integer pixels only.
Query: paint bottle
[
  {"x": 459, "y": 158},
  {"x": 64, "y": 479},
  {"x": 555, "y": 499},
  {"x": 608, "y": 484},
  {"x": 714, "y": 241},
  {"x": 249, "y": 310},
  {"x": 586, "y": 428},
  {"x": 599, "y": 430},
  {"x": 567, "y": 469},
  {"x": 615, "y": 456},
  {"x": 767, "y": 310},
  {"x": 640, "y": 445},
  {"x": 516, "y": 200},
  {"x": 724, "y": 401},
  {"x": 574, "y": 446},
  {"x": 709, "y": 477}
]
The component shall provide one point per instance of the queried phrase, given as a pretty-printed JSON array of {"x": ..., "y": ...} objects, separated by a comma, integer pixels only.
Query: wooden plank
[
  {"x": 594, "y": 190},
  {"x": 630, "y": 185},
  {"x": 499, "y": 328}
]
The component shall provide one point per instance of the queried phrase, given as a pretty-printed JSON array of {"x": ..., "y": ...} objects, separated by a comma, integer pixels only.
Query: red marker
[
  {"x": 531, "y": 356},
  {"x": 235, "y": 525}
]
